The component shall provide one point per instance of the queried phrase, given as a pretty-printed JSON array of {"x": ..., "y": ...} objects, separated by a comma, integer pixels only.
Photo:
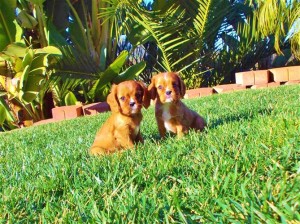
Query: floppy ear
[
  {"x": 152, "y": 89},
  {"x": 182, "y": 85},
  {"x": 112, "y": 99},
  {"x": 146, "y": 95}
]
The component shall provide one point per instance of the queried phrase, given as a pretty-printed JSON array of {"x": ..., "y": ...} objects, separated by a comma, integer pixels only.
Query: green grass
[{"x": 244, "y": 168}]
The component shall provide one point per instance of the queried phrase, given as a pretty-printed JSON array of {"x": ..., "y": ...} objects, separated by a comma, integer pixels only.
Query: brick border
[{"x": 244, "y": 80}]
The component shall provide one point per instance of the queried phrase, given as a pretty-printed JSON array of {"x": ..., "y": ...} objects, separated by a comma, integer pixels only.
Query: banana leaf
[{"x": 130, "y": 73}]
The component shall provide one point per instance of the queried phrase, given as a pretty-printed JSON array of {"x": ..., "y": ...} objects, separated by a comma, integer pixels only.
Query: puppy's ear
[
  {"x": 152, "y": 89},
  {"x": 182, "y": 86},
  {"x": 112, "y": 99},
  {"x": 146, "y": 95}
]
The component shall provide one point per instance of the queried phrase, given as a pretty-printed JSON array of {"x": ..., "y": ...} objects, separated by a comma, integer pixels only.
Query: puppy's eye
[
  {"x": 159, "y": 87},
  {"x": 122, "y": 98},
  {"x": 174, "y": 85}
]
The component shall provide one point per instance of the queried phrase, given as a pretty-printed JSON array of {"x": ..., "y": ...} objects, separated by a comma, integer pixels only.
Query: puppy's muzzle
[
  {"x": 168, "y": 93},
  {"x": 132, "y": 104}
]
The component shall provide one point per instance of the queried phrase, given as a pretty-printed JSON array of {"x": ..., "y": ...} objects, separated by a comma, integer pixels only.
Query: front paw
[{"x": 96, "y": 151}]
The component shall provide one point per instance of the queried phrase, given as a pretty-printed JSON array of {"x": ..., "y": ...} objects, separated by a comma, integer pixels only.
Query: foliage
[
  {"x": 85, "y": 70},
  {"x": 244, "y": 168},
  {"x": 25, "y": 83}
]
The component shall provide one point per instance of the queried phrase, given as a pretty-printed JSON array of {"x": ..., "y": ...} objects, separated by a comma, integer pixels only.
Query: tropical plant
[
  {"x": 88, "y": 65},
  {"x": 280, "y": 19},
  {"x": 24, "y": 82}
]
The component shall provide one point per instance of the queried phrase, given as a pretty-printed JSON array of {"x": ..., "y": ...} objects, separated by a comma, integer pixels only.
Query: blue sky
[{"x": 147, "y": 1}]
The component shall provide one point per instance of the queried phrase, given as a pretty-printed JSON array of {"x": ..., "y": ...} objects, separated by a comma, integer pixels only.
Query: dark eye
[
  {"x": 122, "y": 98},
  {"x": 159, "y": 87},
  {"x": 174, "y": 85}
]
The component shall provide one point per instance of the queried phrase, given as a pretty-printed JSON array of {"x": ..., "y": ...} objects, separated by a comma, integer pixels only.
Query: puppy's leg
[
  {"x": 139, "y": 138},
  {"x": 124, "y": 139},
  {"x": 181, "y": 131},
  {"x": 96, "y": 151},
  {"x": 161, "y": 127}
]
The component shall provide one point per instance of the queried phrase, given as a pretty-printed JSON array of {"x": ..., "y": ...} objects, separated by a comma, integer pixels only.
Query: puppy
[
  {"x": 122, "y": 129},
  {"x": 171, "y": 114}
]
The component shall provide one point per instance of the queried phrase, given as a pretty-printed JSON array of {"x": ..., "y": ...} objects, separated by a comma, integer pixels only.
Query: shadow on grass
[{"x": 246, "y": 116}]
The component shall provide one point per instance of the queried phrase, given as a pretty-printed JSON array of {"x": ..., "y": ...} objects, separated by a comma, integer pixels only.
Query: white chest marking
[
  {"x": 166, "y": 112},
  {"x": 166, "y": 116},
  {"x": 168, "y": 126},
  {"x": 136, "y": 130}
]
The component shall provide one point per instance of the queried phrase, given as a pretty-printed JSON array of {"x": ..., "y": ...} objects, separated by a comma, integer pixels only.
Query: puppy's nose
[
  {"x": 168, "y": 92},
  {"x": 131, "y": 104}
]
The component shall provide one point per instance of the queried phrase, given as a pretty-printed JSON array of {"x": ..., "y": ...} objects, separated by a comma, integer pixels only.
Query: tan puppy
[
  {"x": 122, "y": 129},
  {"x": 171, "y": 114}
]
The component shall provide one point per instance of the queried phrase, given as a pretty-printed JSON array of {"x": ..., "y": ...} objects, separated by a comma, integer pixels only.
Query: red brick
[
  {"x": 44, "y": 121},
  {"x": 95, "y": 108},
  {"x": 198, "y": 92},
  {"x": 261, "y": 77},
  {"x": 280, "y": 74},
  {"x": 294, "y": 73},
  {"x": 273, "y": 84},
  {"x": 67, "y": 112},
  {"x": 228, "y": 88},
  {"x": 206, "y": 91},
  {"x": 58, "y": 113},
  {"x": 245, "y": 78},
  {"x": 191, "y": 94},
  {"x": 292, "y": 82},
  {"x": 261, "y": 86}
]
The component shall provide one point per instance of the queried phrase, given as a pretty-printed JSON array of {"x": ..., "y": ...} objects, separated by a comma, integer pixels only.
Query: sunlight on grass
[{"x": 244, "y": 168}]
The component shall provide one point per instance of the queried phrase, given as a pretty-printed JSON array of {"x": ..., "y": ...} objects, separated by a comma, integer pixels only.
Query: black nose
[
  {"x": 168, "y": 92},
  {"x": 131, "y": 104}
]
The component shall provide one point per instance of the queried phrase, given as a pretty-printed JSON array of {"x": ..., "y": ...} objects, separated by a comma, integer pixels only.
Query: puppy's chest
[
  {"x": 131, "y": 125},
  {"x": 167, "y": 116}
]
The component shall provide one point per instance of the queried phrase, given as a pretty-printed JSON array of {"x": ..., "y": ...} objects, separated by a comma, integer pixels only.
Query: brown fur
[
  {"x": 122, "y": 129},
  {"x": 170, "y": 112}
]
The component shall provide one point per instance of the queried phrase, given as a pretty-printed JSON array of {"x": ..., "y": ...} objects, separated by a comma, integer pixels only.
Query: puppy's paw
[{"x": 97, "y": 151}]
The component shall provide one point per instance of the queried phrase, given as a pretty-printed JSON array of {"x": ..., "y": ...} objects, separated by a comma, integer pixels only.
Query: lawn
[{"x": 244, "y": 168}]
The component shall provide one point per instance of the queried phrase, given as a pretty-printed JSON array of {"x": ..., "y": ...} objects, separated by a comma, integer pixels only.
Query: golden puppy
[
  {"x": 122, "y": 129},
  {"x": 171, "y": 114}
]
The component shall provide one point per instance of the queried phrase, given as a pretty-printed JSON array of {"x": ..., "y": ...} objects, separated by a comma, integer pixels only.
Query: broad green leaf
[
  {"x": 18, "y": 65},
  {"x": 114, "y": 68},
  {"x": 26, "y": 20},
  {"x": 37, "y": 2},
  {"x": 130, "y": 73},
  {"x": 103, "y": 56},
  {"x": 19, "y": 32},
  {"x": 41, "y": 71},
  {"x": 70, "y": 99},
  {"x": 110, "y": 73},
  {"x": 24, "y": 77},
  {"x": 7, "y": 26},
  {"x": 9, "y": 116},
  {"x": 28, "y": 58},
  {"x": 39, "y": 61},
  {"x": 29, "y": 96},
  {"x": 16, "y": 49},
  {"x": 49, "y": 50},
  {"x": 2, "y": 114},
  {"x": 32, "y": 88}
]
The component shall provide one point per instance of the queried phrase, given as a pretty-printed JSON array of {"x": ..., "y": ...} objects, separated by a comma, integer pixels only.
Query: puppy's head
[
  {"x": 128, "y": 98},
  {"x": 168, "y": 87}
]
